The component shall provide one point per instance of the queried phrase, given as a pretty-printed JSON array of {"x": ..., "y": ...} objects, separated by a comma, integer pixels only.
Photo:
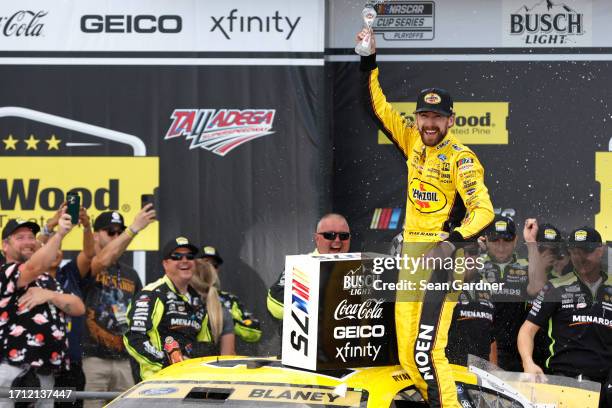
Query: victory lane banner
[
  {"x": 334, "y": 316},
  {"x": 34, "y": 188}
]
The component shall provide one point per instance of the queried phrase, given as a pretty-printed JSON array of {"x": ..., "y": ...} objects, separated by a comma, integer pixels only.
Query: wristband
[
  {"x": 46, "y": 231},
  {"x": 130, "y": 231}
]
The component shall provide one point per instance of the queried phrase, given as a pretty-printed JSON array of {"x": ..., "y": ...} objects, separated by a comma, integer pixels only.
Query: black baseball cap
[
  {"x": 178, "y": 242},
  {"x": 501, "y": 227},
  {"x": 13, "y": 224},
  {"x": 548, "y": 233},
  {"x": 435, "y": 100},
  {"x": 108, "y": 219},
  {"x": 212, "y": 252},
  {"x": 586, "y": 238}
]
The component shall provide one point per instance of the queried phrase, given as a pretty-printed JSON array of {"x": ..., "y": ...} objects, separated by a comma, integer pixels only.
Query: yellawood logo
[
  {"x": 476, "y": 122},
  {"x": 34, "y": 188}
]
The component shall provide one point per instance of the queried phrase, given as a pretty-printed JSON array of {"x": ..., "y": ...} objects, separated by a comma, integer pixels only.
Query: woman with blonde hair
[{"x": 206, "y": 282}]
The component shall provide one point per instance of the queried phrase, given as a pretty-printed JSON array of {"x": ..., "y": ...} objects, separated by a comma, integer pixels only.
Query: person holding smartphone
[{"x": 110, "y": 287}]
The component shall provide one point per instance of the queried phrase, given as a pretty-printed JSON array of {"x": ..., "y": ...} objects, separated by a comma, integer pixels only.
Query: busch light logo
[
  {"x": 220, "y": 131},
  {"x": 548, "y": 23}
]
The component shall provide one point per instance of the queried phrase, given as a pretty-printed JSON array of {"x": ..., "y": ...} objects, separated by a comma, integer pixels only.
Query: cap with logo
[
  {"x": 586, "y": 238},
  {"x": 108, "y": 219},
  {"x": 548, "y": 233},
  {"x": 178, "y": 242},
  {"x": 13, "y": 225},
  {"x": 501, "y": 227},
  {"x": 435, "y": 100},
  {"x": 212, "y": 252}
]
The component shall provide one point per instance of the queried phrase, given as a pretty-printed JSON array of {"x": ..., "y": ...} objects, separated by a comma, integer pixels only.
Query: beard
[{"x": 427, "y": 139}]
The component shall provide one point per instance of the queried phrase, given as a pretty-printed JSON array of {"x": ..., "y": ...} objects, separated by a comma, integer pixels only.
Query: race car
[{"x": 265, "y": 382}]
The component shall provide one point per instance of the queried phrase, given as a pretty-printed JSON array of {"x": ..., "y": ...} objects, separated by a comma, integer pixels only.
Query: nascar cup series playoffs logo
[{"x": 220, "y": 131}]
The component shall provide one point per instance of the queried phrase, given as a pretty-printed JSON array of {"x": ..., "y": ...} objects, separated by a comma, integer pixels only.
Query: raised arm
[
  {"x": 88, "y": 252},
  {"x": 111, "y": 252},
  {"x": 537, "y": 266},
  {"x": 388, "y": 120},
  {"x": 43, "y": 258}
]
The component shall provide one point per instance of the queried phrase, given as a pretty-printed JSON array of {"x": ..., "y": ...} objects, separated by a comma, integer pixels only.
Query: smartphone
[
  {"x": 147, "y": 199},
  {"x": 73, "y": 201}
]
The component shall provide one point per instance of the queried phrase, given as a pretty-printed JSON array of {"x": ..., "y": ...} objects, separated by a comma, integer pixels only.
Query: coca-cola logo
[
  {"x": 369, "y": 309},
  {"x": 23, "y": 23}
]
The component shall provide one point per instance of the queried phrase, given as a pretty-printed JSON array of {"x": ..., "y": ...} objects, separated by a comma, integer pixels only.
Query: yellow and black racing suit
[
  {"x": 160, "y": 311},
  {"x": 447, "y": 200}
]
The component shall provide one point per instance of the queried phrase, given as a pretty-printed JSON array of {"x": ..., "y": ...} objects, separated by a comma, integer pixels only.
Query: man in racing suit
[
  {"x": 167, "y": 308},
  {"x": 575, "y": 311},
  {"x": 447, "y": 203}
]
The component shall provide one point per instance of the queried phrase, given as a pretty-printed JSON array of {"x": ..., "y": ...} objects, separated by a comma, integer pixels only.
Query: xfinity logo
[
  {"x": 23, "y": 23},
  {"x": 227, "y": 25},
  {"x": 141, "y": 24}
]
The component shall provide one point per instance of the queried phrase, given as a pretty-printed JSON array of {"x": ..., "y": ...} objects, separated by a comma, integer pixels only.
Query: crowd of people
[{"x": 89, "y": 323}]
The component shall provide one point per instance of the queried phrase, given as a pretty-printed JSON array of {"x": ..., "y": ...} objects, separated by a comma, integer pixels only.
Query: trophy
[{"x": 369, "y": 14}]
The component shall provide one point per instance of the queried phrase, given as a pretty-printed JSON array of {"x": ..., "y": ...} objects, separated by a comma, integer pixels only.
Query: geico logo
[
  {"x": 484, "y": 120},
  {"x": 142, "y": 24},
  {"x": 15, "y": 195},
  {"x": 359, "y": 332}
]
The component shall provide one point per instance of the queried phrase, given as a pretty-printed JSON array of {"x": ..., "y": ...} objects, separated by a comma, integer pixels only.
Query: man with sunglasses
[
  {"x": 520, "y": 283},
  {"x": 168, "y": 311},
  {"x": 576, "y": 311},
  {"x": 333, "y": 236},
  {"x": 108, "y": 289},
  {"x": 548, "y": 259},
  {"x": 447, "y": 204},
  {"x": 246, "y": 325}
]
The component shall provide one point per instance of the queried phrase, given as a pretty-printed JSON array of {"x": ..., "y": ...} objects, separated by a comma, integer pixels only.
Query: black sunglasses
[
  {"x": 113, "y": 232},
  {"x": 331, "y": 236},
  {"x": 176, "y": 256}
]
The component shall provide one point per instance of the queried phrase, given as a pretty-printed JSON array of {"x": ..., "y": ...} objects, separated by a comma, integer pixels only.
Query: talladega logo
[{"x": 220, "y": 131}]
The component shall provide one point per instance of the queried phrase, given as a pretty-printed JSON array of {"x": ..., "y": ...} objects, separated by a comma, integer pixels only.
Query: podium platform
[{"x": 334, "y": 318}]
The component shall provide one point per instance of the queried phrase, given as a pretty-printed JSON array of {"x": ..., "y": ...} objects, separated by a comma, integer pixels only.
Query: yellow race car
[{"x": 265, "y": 382}]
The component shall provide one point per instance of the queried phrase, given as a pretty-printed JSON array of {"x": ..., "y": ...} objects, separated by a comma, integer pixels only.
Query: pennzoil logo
[
  {"x": 426, "y": 197},
  {"x": 220, "y": 130},
  {"x": 432, "y": 98},
  {"x": 475, "y": 122}
]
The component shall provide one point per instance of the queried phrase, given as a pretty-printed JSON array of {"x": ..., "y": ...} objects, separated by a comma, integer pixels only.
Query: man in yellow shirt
[{"x": 447, "y": 204}]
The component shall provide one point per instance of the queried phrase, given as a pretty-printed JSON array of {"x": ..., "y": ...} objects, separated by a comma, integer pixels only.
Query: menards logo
[{"x": 475, "y": 122}]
